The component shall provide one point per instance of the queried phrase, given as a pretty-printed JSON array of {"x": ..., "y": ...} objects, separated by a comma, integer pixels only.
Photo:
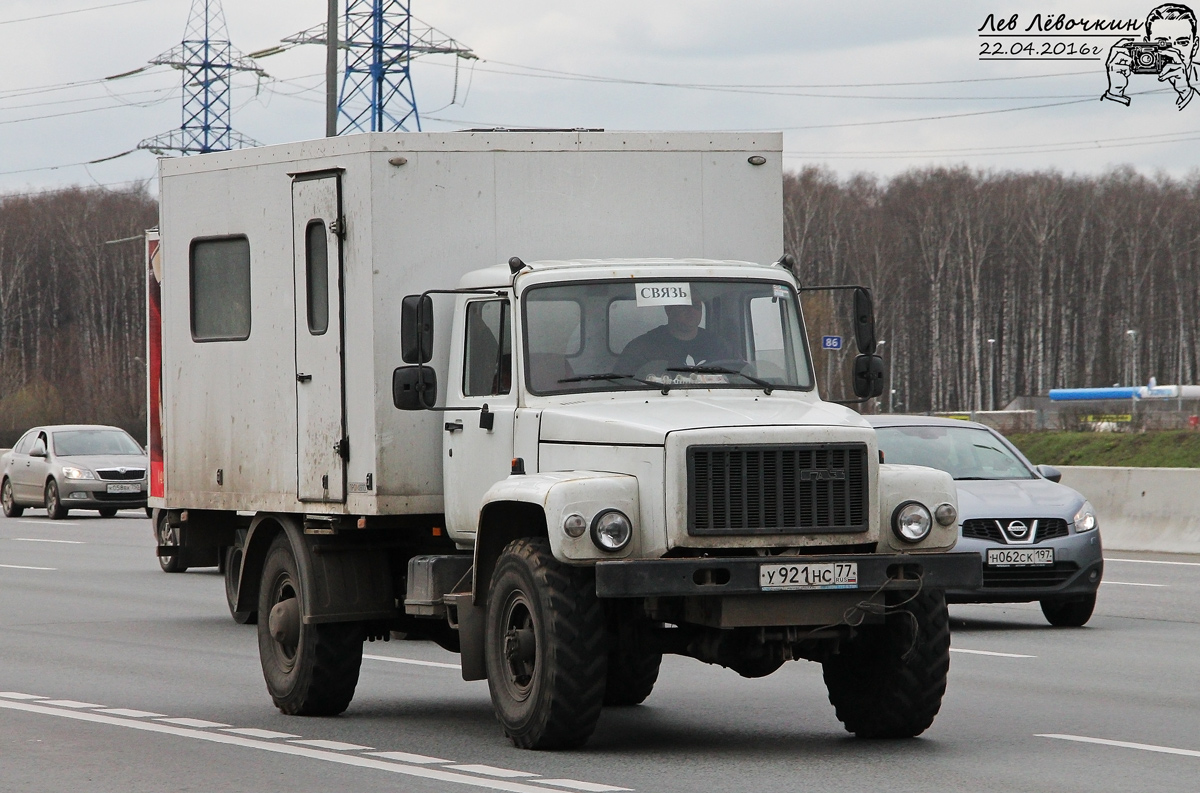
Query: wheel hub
[{"x": 284, "y": 623}]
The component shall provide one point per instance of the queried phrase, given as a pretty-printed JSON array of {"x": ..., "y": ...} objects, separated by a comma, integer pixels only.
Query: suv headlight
[
  {"x": 611, "y": 530},
  {"x": 71, "y": 472},
  {"x": 1085, "y": 518},
  {"x": 911, "y": 521}
]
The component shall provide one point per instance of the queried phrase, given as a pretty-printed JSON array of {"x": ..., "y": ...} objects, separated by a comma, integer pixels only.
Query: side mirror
[
  {"x": 868, "y": 376},
  {"x": 416, "y": 329},
  {"x": 864, "y": 322},
  {"x": 414, "y": 387},
  {"x": 1050, "y": 472},
  {"x": 38, "y": 450}
]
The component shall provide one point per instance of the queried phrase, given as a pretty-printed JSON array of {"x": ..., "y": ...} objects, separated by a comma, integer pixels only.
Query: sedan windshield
[
  {"x": 657, "y": 334},
  {"x": 962, "y": 452},
  {"x": 76, "y": 443}
]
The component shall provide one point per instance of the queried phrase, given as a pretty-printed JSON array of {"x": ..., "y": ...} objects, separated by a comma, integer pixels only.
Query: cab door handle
[{"x": 303, "y": 378}]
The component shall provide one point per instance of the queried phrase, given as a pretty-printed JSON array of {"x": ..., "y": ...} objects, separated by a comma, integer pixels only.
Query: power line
[{"x": 75, "y": 11}]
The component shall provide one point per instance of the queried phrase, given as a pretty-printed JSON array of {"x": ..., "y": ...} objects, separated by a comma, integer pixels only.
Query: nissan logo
[{"x": 1017, "y": 530}]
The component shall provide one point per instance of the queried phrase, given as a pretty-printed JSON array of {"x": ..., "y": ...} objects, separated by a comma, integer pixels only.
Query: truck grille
[
  {"x": 794, "y": 489},
  {"x": 994, "y": 529}
]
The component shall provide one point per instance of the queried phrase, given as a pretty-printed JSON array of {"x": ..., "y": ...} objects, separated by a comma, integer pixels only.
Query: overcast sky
[{"x": 830, "y": 75}]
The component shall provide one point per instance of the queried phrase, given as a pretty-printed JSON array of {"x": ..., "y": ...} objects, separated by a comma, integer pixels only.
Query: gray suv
[
  {"x": 1037, "y": 539},
  {"x": 73, "y": 466}
]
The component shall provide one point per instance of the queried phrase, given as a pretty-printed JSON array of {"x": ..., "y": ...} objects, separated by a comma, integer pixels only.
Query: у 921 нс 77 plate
[{"x": 829, "y": 575}]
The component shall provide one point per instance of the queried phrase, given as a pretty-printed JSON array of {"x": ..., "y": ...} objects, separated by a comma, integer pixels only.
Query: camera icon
[{"x": 1146, "y": 56}]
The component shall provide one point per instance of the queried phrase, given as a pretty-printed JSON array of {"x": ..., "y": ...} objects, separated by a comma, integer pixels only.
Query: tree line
[
  {"x": 72, "y": 308},
  {"x": 987, "y": 285},
  {"x": 991, "y": 285}
]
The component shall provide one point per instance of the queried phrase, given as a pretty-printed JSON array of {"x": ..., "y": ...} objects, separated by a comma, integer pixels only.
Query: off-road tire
[
  {"x": 54, "y": 506},
  {"x": 1069, "y": 611},
  {"x": 165, "y": 534},
  {"x": 886, "y": 683},
  {"x": 108, "y": 512},
  {"x": 316, "y": 676},
  {"x": 548, "y": 695},
  {"x": 632, "y": 664},
  {"x": 232, "y": 569},
  {"x": 9, "y": 501}
]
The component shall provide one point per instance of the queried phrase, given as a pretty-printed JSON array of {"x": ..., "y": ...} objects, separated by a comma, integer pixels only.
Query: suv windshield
[
  {"x": 655, "y": 333},
  {"x": 74, "y": 443},
  {"x": 962, "y": 452}
]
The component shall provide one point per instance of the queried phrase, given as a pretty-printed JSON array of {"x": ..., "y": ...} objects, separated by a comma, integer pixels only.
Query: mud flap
[{"x": 468, "y": 618}]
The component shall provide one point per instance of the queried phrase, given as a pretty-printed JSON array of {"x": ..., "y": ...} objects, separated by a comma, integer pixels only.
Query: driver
[{"x": 681, "y": 342}]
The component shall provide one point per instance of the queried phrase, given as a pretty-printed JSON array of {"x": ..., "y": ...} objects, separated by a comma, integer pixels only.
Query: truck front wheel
[
  {"x": 311, "y": 670},
  {"x": 545, "y": 648},
  {"x": 888, "y": 681}
]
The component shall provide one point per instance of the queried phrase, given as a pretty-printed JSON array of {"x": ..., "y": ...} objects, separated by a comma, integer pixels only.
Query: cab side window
[{"x": 487, "y": 362}]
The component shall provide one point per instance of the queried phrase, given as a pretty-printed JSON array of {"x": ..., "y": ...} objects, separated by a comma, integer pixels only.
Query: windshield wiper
[
  {"x": 664, "y": 387},
  {"x": 766, "y": 385}
]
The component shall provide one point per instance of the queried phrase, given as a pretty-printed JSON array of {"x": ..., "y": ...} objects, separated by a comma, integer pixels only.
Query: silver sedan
[
  {"x": 1037, "y": 539},
  {"x": 73, "y": 466}
]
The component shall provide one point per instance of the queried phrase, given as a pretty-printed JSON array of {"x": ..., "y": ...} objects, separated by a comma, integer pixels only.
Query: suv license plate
[
  {"x": 123, "y": 488},
  {"x": 1020, "y": 557},
  {"x": 827, "y": 575}
]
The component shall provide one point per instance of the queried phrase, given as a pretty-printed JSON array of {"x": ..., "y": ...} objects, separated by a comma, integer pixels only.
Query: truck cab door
[
  {"x": 322, "y": 448},
  {"x": 480, "y": 405}
]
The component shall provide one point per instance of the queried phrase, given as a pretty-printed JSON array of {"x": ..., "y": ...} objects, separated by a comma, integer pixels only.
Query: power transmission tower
[
  {"x": 381, "y": 37},
  {"x": 207, "y": 59}
]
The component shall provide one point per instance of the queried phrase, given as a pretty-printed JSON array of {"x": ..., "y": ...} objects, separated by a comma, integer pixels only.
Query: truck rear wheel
[
  {"x": 888, "y": 681},
  {"x": 311, "y": 670},
  {"x": 544, "y": 647}
]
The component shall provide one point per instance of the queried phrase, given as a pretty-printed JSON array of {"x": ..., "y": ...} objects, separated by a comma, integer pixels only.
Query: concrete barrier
[{"x": 1142, "y": 509}]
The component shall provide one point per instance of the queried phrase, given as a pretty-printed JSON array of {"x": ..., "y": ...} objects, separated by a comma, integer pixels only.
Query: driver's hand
[
  {"x": 1176, "y": 72},
  {"x": 1118, "y": 65}
]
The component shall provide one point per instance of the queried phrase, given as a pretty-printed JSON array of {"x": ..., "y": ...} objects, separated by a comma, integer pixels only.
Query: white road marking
[
  {"x": 412, "y": 661},
  {"x": 491, "y": 770},
  {"x": 1153, "y": 561},
  {"x": 19, "y": 695},
  {"x": 989, "y": 652},
  {"x": 25, "y": 567},
  {"x": 357, "y": 761},
  {"x": 1145, "y": 747},
  {"x": 333, "y": 746},
  {"x": 58, "y": 523},
  {"x": 253, "y": 732},
  {"x": 39, "y": 539},
  {"x": 575, "y": 784},
  {"x": 199, "y": 723},
  {"x": 131, "y": 714},
  {"x": 405, "y": 757},
  {"x": 1129, "y": 583},
  {"x": 70, "y": 703}
]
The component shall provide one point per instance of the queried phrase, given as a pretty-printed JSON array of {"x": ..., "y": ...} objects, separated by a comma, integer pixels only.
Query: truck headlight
[
  {"x": 611, "y": 530},
  {"x": 911, "y": 521},
  {"x": 71, "y": 472},
  {"x": 945, "y": 514},
  {"x": 575, "y": 524},
  {"x": 1085, "y": 518}
]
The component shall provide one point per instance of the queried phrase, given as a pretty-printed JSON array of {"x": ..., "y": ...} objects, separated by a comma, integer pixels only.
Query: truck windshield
[{"x": 654, "y": 333}]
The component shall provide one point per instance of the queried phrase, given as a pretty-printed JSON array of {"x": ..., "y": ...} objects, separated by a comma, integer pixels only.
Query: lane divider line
[
  {"x": 333, "y": 746},
  {"x": 25, "y": 567},
  {"x": 254, "y": 732},
  {"x": 19, "y": 695},
  {"x": 1130, "y": 583},
  {"x": 575, "y": 784},
  {"x": 405, "y": 757},
  {"x": 199, "y": 723},
  {"x": 1153, "y": 561},
  {"x": 130, "y": 714},
  {"x": 491, "y": 770},
  {"x": 413, "y": 661},
  {"x": 354, "y": 760},
  {"x": 39, "y": 539},
  {"x": 70, "y": 703},
  {"x": 1145, "y": 747},
  {"x": 989, "y": 652}
]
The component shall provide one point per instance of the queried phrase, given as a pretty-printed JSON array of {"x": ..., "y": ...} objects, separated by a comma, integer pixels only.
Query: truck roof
[{"x": 500, "y": 275}]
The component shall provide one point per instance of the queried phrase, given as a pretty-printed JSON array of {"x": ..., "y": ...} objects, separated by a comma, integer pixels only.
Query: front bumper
[
  {"x": 93, "y": 494},
  {"x": 1078, "y": 569},
  {"x": 740, "y": 575}
]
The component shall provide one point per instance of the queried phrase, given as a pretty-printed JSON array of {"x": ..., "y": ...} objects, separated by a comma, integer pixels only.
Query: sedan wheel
[
  {"x": 54, "y": 505},
  {"x": 11, "y": 509}
]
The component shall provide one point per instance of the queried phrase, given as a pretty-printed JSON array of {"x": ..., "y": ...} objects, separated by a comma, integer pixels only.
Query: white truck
[{"x": 544, "y": 398}]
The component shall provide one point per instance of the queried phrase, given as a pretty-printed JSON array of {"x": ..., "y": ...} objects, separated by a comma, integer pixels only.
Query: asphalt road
[{"x": 118, "y": 677}]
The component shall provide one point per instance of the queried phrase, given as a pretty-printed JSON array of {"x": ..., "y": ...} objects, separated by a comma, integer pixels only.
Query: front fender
[
  {"x": 931, "y": 487},
  {"x": 561, "y": 493}
]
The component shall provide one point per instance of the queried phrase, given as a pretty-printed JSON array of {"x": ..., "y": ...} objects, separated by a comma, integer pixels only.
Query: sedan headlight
[
  {"x": 611, "y": 530},
  {"x": 1085, "y": 518},
  {"x": 71, "y": 472},
  {"x": 911, "y": 521}
]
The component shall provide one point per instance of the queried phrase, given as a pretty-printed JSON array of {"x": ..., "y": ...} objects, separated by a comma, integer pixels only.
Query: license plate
[
  {"x": 825, "y": 575},
  {"x": 124, "y": 488},
  {"x": 1020, "y": 557}
]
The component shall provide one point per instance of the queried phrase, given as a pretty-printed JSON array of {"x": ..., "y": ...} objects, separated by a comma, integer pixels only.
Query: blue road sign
[{"x": 831, "y": 342}]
